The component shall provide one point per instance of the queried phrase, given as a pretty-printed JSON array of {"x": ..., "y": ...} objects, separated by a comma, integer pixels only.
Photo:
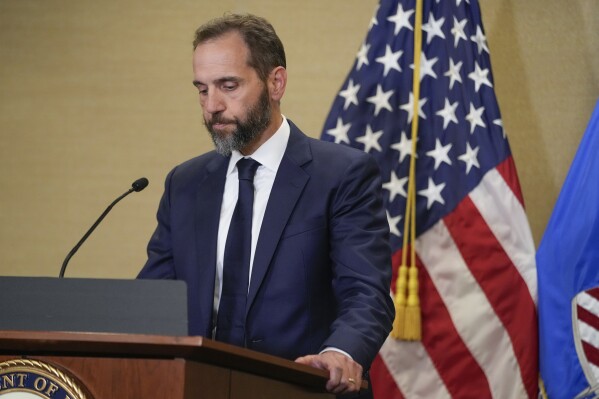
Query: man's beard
[{"x": 256, "y": 121}]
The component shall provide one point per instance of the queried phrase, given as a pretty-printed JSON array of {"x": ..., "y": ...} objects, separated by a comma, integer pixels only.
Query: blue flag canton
[{"x": 460, "y": 135}]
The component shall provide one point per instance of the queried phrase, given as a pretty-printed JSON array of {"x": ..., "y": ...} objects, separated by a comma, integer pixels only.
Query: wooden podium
[
  {"x": 133, "y": 366},
  {"x": 127, "y": 339}
]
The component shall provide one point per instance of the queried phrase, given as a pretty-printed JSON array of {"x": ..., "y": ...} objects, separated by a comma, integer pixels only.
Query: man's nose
[{"x": 213, "y": 103}]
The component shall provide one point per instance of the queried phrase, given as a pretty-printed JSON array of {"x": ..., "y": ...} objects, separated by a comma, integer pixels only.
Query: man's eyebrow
[{"x": 224, "y": 79}]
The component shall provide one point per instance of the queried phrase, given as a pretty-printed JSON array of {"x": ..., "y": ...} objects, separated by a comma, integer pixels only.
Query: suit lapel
[
  {"x": 209, "y": 199},
  {"x": 287, "y": 188}
]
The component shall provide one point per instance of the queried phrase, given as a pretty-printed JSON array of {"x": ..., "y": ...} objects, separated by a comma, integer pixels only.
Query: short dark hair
[{"x": 266, "y": 50}]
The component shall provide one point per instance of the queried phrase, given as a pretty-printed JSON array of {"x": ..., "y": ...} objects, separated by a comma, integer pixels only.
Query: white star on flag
[
  {"x": 390, "y": 60},
  {"x": 426, "y": 66},
  {"x": 396, "y": 186},
  {"x": 453, "y": 73},
  {"x": 480, "y": 40},
  {"x": 448, "y": 113},
  {"x": 433, "y": 28},
  {"x": 401, "y": 19},
  {"x": 458, "y": 30},
  {"x": 350, "y": 94},
  {"x": 380, "y": 100},
  {"x": 409, "y": 107},
  {"x": 440, "y": 153},
  {"x": 475, "y": 117},
  {"x": 480, "y": 77},
  {"x": 404, "y": 146},
  {"x": 470, "y": 157},
  {"x": 340, "y": 132},
  {"x": 370, "y": 139},
  {"x": 433, "y": 193},
  {"x": 393, "y": 221},
  {"x": 363, "y": 56}
]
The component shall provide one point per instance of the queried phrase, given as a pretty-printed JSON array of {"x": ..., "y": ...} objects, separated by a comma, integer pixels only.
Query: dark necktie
[{"x": 230, "y": 321}]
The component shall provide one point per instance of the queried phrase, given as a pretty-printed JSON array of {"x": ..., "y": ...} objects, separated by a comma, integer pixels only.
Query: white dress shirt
[{"x": 269, "y": 155}]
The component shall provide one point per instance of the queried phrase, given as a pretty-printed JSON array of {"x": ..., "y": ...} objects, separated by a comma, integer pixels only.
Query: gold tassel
[
  {"x": 412, "y": 324},
  {"x": 400, "y": 303}
]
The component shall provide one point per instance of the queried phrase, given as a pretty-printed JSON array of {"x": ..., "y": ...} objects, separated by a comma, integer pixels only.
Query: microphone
[{"x": 136, "y": 186}]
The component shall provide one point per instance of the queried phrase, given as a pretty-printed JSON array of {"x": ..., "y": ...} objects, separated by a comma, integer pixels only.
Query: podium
[
  {"x": 127, "y": 339},
  {"x": 132, "y": 366}
]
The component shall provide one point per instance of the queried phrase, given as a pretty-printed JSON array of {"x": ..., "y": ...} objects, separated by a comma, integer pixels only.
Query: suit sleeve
[
  {"x": 361, "y": 263},
  {"x": 160, "y": 263}
]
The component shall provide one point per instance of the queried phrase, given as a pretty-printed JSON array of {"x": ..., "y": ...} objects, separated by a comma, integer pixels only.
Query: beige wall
[{"x": 94, "y": 94}]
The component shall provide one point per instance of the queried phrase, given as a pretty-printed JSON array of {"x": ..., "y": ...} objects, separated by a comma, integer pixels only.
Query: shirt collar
[{"x": 270, "y": 153}]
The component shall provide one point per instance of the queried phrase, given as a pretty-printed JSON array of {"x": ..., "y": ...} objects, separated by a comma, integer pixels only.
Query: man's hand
[{"x": 345, "y": 375}]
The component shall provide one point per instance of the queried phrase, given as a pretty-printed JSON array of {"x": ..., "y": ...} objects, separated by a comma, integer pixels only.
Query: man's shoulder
[
  {"x": 203, "y": 159},
  {"x": 326, "y": 149},
  {"x": 201, "y": 164}
]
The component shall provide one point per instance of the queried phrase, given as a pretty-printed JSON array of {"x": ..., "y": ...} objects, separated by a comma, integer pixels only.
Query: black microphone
[{"x": 137, "y": 186}]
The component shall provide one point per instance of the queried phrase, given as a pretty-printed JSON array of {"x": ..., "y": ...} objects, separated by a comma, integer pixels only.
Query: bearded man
[{"x": 282, "y": 239}]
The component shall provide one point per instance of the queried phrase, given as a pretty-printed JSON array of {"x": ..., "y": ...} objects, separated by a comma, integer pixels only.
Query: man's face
[{"x": 235, "y": 102}]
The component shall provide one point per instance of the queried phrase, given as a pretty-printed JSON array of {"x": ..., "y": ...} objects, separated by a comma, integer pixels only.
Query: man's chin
[{"x": 222, "y": 141}]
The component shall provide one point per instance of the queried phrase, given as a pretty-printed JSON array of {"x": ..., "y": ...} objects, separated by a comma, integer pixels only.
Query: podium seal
[{"x": 33, "y": 379}]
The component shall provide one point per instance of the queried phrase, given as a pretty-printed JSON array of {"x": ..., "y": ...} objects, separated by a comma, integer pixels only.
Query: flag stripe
[
  {"x": 495, "y": 198},
  {"x": 405, "y": 362},
  {"x": 587, "y": 310},
  {"x": 588, "y": 317},
  {"x": 457, "y": 367},
  {"x": 588, "y": 334},
  {"x": 468, "y": 306},
  {"x": 507, "y": 170},
  {"x": 588, "y": 302},
  {"x": 492, "y": 268},
  {"x": 382, "y": 380},
  {"x": 591, "y": 352},
  {"x": 595, "y": 371},
  {"x": 594, "y": 292}
]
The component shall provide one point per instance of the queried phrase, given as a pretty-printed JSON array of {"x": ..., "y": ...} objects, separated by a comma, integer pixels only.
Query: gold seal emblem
[{"x": 32, "y": 379}]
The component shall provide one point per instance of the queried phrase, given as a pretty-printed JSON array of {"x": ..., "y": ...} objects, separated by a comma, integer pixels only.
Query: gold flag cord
[
  {"x": 407, "y": 323},
  {"x": 542, "y": 390}
]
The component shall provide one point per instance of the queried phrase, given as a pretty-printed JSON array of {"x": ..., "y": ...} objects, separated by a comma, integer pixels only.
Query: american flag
[{"x": 474, "y": 247}]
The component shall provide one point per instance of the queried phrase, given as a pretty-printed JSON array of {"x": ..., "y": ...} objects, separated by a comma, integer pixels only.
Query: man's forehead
[
  {"x": 229, "y": 41},
  {"x": 224, "y": 51},
  {"x": 222, "y": 58}
]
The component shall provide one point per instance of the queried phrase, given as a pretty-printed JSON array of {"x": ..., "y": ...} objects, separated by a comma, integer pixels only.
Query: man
[{"x": 315, "y": 264}]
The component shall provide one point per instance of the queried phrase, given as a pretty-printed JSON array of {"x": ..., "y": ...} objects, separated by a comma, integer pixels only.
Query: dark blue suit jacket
[{"x": 322, "y": 266}]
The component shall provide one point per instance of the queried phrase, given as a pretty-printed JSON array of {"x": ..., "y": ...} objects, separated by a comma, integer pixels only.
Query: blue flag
[{"x": 568, "y": 264}]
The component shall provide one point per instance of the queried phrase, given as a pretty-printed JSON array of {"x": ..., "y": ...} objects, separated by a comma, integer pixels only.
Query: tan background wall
[{"x": 94, "y": 94}]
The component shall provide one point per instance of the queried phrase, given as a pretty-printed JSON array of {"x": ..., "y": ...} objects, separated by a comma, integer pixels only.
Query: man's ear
[{"x": 277, "y": 81}]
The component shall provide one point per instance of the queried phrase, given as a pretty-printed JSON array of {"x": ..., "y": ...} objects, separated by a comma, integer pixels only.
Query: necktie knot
[{"x": 246, "y": 168}]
